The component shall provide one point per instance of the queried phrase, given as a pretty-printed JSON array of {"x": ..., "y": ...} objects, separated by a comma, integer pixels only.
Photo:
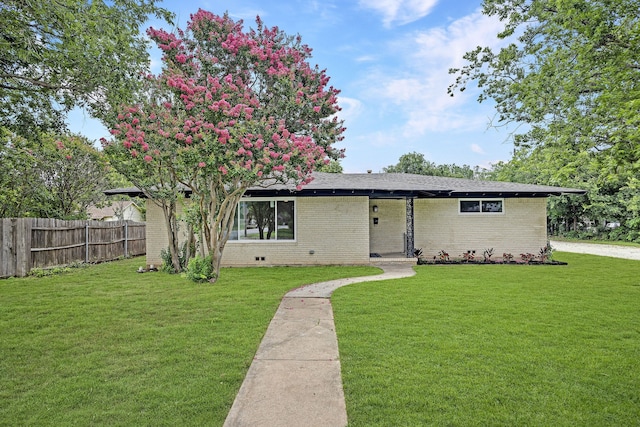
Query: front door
[{"x": 387, "y": 227}]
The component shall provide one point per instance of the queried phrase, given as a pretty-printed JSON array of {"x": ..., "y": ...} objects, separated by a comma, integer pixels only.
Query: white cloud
[
  {"x": 399, "y": 11},
  {"x": 351, "y": 108},
  {"x": 365, "y": 58},
  {"x": 477, "y": 149},
  {"x": 420, "y": 93}
]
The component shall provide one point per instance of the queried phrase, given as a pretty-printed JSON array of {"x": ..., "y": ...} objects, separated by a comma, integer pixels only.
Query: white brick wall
[
  {"x": 340, "y": 230},
  {"x": 335, "y": 229},
  {"x": 521, "y": 228},
  {"x": 156, "y": 233}
]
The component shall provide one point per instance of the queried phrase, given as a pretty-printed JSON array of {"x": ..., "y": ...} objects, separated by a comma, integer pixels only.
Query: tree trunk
[
  {"x": 171, "y": 223},
  {"x": 221, "y": 227}
]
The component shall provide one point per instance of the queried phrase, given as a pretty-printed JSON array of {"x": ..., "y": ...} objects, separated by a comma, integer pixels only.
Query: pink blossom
[
  {"x": 181, "y": 58},
  {"x": 134, "y": 153},
  {"x": 316, "y": 109},
  {"x": 202, "y": 164},
  {"x": 223, "y": 170},
  {"x": 148, "y": 158}
]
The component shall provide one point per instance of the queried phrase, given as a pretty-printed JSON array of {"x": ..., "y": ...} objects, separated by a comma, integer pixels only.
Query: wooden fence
[{"x": 27, "y": 243}]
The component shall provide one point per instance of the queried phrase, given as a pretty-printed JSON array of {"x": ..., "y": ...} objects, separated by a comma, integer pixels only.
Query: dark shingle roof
[
  {"x": 397, "y": 185},
  {"x": 405, "y": 185}
]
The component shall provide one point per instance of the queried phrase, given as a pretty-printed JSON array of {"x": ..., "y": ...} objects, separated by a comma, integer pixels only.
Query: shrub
[{"x": 200, "y": 269}]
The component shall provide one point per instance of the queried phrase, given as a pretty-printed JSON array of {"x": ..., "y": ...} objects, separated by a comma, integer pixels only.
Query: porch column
[{"x": 408, "y": 245}]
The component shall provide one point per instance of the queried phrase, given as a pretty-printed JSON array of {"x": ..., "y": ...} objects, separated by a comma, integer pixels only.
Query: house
[
  {"x": 360, "y": 218},
  {"x": 121, "y": 210}
]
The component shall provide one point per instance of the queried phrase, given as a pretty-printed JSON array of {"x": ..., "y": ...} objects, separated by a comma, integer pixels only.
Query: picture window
[{"x": 264, "y": 219}]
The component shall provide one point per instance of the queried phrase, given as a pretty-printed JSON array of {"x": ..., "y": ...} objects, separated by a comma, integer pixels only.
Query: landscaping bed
[{"x": 544, "y": 257}]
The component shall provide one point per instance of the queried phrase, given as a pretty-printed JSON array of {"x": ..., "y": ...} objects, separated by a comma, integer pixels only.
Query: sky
[{"x": 390, "y": 60}]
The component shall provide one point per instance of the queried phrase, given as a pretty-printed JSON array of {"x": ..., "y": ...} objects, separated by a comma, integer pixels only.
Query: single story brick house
[{"x": 360, "y": 218}]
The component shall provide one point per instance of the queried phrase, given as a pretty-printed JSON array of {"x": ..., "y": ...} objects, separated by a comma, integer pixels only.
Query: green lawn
[
  {"x": 107, "y": 346},
  {"x": 494, "y": 345}
]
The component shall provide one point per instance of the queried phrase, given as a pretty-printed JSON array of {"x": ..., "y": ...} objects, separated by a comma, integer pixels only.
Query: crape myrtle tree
[
  {"x": 55, "y": 55},
  {"x": 150, "y": 160},
  {"x": 246, "y": 109},
  {"x": 571, "y": 74}
]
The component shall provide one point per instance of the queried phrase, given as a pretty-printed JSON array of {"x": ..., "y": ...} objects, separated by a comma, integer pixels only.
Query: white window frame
[
  {"x": 481, "y": 200},
  {"x": 275, "y": 240}
]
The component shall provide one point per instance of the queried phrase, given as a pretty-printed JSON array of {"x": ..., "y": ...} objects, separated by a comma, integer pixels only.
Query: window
[
  {"x": 264, "y": 219},
  {"x": 481, "y": 206}
]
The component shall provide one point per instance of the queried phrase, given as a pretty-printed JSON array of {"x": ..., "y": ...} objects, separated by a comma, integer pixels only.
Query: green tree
[
  {"x": 20, "y": 183},
  {"x": 334, "y": 166},
  {"x": 57, "y": 177},
  {"x": 571, "y": 73},
  {"x": 55, "y": 55},
  {"x": 416, "y": 163},
  {"x": 610, "y": 198}
]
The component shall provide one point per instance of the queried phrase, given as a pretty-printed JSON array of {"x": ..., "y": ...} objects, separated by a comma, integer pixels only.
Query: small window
[
  {"x": 469, "y": 205},
  {"x": 492, "y": 206},
  {"x": 481, "y": 206}
]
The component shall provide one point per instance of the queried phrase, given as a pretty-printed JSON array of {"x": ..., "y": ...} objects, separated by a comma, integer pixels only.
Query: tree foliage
[
  {"x": 611, "y": 199},
  {"x": 58, "y": 177},
  {"x": 230, "y": 110},
  {"x": 416, "y": 163},
  {"x": 55, "y": 55},
  {"x": 572, "y": 74}
]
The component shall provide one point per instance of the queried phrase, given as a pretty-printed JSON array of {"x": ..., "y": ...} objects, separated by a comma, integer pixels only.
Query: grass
[
  {"x": 494, "y": 345},
  {"x": 107, "y": 346}
]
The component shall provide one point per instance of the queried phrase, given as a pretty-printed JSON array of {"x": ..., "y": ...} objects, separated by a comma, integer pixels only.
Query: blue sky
[{"x": 390, "y": 59}]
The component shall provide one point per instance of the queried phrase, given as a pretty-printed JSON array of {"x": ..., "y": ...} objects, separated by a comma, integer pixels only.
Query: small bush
[{"x": 200, "y": 269}]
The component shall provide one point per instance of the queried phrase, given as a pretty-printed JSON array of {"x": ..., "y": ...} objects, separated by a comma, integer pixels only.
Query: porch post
[{"x": 408, "y": 246}]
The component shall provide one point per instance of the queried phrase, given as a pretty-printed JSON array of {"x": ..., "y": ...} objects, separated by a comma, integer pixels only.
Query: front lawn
[
  {"x": 105, "y": 345},
  {"x": 494, "y": 345}
]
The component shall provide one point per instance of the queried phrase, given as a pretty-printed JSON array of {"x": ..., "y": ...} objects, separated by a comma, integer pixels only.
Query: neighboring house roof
[
  {"x": 110, "y": 211},
  {"x": 398, "y": 185}
]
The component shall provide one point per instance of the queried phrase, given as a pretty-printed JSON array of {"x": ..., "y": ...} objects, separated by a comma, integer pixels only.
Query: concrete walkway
[
  {"x": 295, "y": 379},
  {"x": 626, "y": 252}
]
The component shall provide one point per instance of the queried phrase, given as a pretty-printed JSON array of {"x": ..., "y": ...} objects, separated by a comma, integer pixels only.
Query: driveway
[{"x": 627, "y": 252}]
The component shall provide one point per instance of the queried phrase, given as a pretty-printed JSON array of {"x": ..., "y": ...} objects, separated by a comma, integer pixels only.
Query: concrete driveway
[{"x": 627, "y": 252}]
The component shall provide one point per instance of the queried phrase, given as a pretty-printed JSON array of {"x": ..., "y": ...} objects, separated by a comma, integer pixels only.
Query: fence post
[
  {"x": 22, "y": 246},
  {"x": 86, "y": 243},
  {"x": 126, "y": 239}
]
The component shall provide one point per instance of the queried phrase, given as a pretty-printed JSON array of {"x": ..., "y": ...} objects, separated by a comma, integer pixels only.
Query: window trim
[
  {"x": 264, "y": 241},
  {"x": 480, "y": 200}
]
